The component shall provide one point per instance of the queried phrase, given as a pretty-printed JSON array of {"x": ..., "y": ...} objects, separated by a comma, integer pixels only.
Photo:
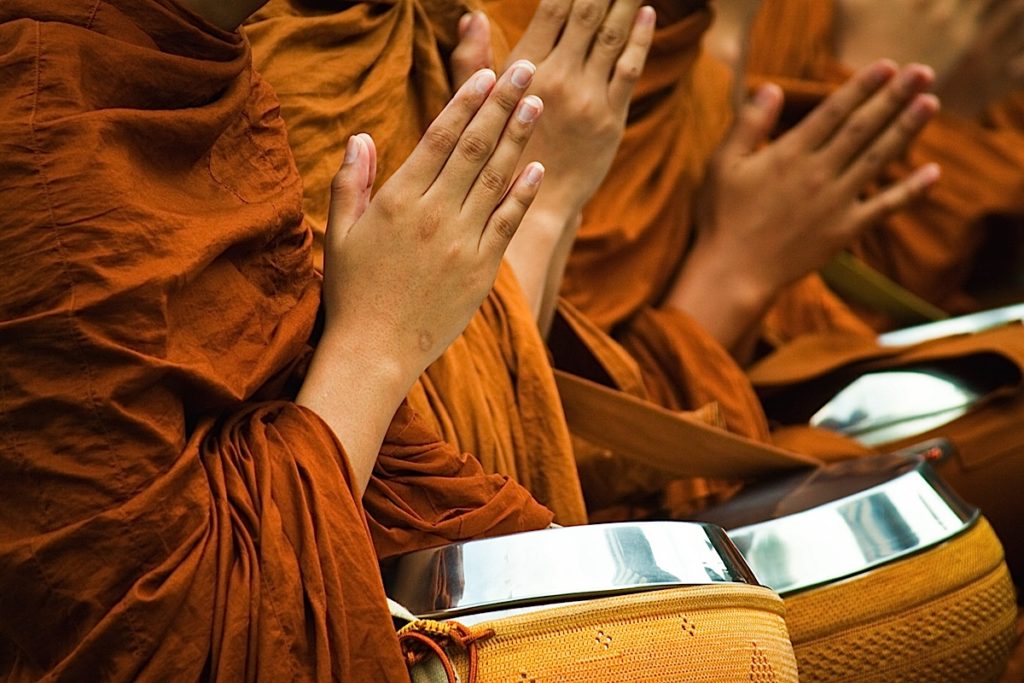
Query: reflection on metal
[
  {"x": 883, "y": 407},
  {"x": 563, "y": 565},
  {"x": 976, "y": 322},
  {"x": 854, "y": 533}
]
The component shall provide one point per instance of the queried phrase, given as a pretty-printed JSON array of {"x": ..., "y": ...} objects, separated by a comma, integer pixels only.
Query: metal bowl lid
[
  {"x": 882, "y": 407},
  {"x": 967, "y": 324},
  {"x": 560, "y": 565},
  {"x": 842, "y": 520}
]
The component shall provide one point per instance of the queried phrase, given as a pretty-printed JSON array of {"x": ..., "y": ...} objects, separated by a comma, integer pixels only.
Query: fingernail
[
  {"x": 529, "y": 109},
  {"x": 484, "y": 81},
  {"x": 930, "y": 174},
  {"x": 765, "y": 97},
  {"x": 908, "y": 81},
  {"x": 922, "y": 109},
  {"x": 534, "y": 173},
  {"x": 522, "y": 74},
  {"x": 648, "y": 16},
  {"x": 351, "y": 150},
  {"x": 464, "y": 24},
  {"x": 880, "y": 73}
]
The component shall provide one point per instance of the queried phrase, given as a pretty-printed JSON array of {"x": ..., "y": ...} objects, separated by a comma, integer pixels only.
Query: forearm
[
  {"x": 556, "y": 272},
  {"x": 538, "y": 255},
  {"x": 356, "y": 391},
  {"x": 726, "y": 301}
]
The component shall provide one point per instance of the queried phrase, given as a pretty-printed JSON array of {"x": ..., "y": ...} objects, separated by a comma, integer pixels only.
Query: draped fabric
[
  {"x": 342, "y": 67},
  {"x": 932, "y": 248},
  {"x": 167, "y": 513}
]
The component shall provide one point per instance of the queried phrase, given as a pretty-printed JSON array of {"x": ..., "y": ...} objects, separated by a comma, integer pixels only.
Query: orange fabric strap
[{"x": 667, "y": 440}]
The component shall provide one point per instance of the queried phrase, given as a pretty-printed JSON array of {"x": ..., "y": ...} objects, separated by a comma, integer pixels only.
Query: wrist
[
  {"x": 348, "y": 363},
  {"x": 726, "y": 299}
]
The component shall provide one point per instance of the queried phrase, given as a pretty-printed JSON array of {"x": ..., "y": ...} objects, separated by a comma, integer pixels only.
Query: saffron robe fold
[
  {"x": 166, "y": 515},
  {"x": 930, "y": 249},
  {"x": 380, "y": 67},
  {"x": 635, "y": 236}
]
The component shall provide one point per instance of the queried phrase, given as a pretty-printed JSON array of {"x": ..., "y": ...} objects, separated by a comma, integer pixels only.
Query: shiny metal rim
[
  {"x": 856, "y": 534},
  {"x": 563, "y": 565}
]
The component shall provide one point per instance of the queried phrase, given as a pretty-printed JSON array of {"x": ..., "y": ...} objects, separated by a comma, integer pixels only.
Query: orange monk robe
[
  {"x": 638, "y": 227},
  {"x": 931, "y": 248},
  {"x": 381, "y": 68},
  {"x": 164, "y": 514}
]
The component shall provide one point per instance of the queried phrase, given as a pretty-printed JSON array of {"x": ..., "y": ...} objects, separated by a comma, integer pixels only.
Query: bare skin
[
  {"x": 975, "y": 46},
  {"x": 405, "y": 272},
  {"x": 589, "y": 56},
  {"x": 772, "y": 213}
]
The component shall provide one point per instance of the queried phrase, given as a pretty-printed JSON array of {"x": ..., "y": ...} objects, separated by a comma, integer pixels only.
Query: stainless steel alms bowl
[
  {"x": 966, "y": 324},
  {"x": 561, "y": 565},
  {"x": 815, "y": 528}
]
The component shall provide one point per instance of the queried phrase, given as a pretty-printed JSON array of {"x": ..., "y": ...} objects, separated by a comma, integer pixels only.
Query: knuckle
[
  {"x": 611, "y": 37},
  {"x": 874, "y": 160},
  {"x": 518, "y": 135},
  {"x": 630, "y": 70},
  {"x": 504, "y": 226},
  {"x": 474, "y": 147},
  {"x": 440, "y": 140},
  {"x": 506, "y": 99},
  {"x": 454, "y": 253},
  {"x": 428, "y": 224},
  {"x": 832, "y": 113},
  {"x": 818, "y": 180},
  {"x": 493, "y": 181},
  {"x": 588, "y": 14},
  {"x": 856, "y": 128},
  {"x": 553, "y": 11}
]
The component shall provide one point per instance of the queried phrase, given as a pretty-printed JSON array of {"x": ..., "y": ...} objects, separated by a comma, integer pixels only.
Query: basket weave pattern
[{"x": 706, "y": 634}]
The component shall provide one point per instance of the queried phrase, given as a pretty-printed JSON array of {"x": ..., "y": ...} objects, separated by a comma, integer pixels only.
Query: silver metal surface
[
  {"x": 883, "y": 407},
  {"x": 976, "y": 322},
  {"x": 563, "y": 565},
  {"x": 855, "y": 533}
]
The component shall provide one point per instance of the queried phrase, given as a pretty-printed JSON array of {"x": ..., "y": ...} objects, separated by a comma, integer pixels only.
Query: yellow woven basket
[
  {"x": 946, "y": 614},
  {"x": 705, "y": 634}
]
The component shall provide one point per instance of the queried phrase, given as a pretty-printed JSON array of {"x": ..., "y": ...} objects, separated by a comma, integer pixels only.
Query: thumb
[
  {"x": 474, "y": 49},
  {"x": 351, "y": 187},
  {"x": 755, "y": 122}
]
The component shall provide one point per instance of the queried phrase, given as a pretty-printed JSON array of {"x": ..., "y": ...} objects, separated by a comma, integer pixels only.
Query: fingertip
[
  {"x": 521, "y": 73},
  {"x": 880, "y": 72},
  {"x": 533, "y": 174},
  {"x": 351, "y": 150},
  {"x": 464, "y": 21},
  {"x": 768, "y": 96},
  {"x": 530, "y": 109},
  {"x": 930, "y": 174},
  {"x": 646, "y": 17},
  {"x": 482, "y": 81}
]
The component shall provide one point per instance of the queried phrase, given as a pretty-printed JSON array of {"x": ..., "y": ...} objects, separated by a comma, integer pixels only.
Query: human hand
[
  {"x": 770, "y": 214},
  {"x": 589, "y": 55},
  {"x": 405, "y": 271},
  {"x": 976, "y": 47}
]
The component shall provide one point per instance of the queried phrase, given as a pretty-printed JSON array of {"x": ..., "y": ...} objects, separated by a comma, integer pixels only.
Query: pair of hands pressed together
[
  {"x": 406, "y": 270},
  {"x": 976, "y": 47},
  {"x": 589, "y": 56},
  {"x": 771, "y": 213}
]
